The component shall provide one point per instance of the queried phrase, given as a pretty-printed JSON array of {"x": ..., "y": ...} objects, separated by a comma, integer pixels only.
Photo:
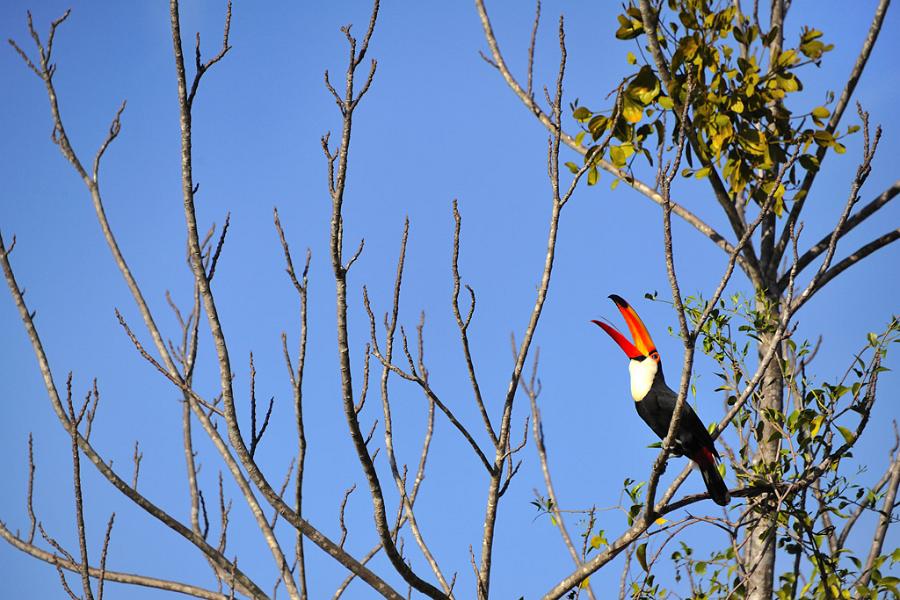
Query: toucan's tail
[{"x": 716, "y": 487}]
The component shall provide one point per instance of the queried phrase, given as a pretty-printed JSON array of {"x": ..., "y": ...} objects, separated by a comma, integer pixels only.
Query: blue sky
[{"x": 438, "y": 124}]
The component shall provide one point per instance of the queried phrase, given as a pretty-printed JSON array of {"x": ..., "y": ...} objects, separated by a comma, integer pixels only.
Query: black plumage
[{"x": 655, "y": 401}]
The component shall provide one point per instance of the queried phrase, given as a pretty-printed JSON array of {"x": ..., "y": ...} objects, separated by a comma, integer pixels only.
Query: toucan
[{"x": 655, "y": 401}]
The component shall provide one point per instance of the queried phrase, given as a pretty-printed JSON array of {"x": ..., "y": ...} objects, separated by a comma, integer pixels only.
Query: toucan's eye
[{"x": 654, "y": 356}]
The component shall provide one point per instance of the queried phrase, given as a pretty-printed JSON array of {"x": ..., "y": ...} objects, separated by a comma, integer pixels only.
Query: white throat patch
[{"x": 642, "y": 373}]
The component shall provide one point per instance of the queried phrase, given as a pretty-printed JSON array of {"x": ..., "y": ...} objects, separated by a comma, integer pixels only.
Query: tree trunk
[{"x": 759, "y": 555}]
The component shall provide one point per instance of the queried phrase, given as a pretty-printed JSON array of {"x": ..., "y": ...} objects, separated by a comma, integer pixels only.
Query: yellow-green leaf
[
  {"x": 816, "y": 425},
  {"x": 661, "y": 521},
  {"x": 820, "y": 112},
  {"x": 631, "y": 58},
  {"x": 787, "y": 58},
  {"x": 592, "y": 178},
  {"x": 631, "y": 110},
  {"x": 642, "y": 556},
  {"x": 665, "y": 102},
  {"x": 629, "y": 28},
  {"x": 598, "y": 541},
  {"x": 617, "y": 156},
  {"x": 644, "y": 88},
  {"x": 753, "y": 141},
  {"x": 848, "y": 435},
  {"x": 823, "y": 137},
  {"x": 584, "y": 584}
]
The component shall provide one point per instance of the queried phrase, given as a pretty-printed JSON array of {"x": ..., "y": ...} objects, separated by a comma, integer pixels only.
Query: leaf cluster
[{"x": 742, "y": 122}]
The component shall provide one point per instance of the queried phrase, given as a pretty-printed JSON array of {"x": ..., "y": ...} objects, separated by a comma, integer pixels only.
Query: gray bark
[{"x": 759, "y": 553}]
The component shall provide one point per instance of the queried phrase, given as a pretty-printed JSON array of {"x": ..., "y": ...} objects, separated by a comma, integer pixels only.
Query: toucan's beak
[{"x": 643, "y": 345}]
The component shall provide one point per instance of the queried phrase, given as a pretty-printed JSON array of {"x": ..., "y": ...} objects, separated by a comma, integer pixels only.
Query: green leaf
[
  {"x": 597, "y": 125},
  {"x": 614, "y": 184},
  {"x": 701, "y": 173},
  {"x": 665, "y": 102},
  {"x": 642, "y": 556},
  {"x": 593, "y": 176},
  {"x": 631, "y": 58},
  {"x": 572, "y": 167},
  {"x": 820, "y": 112},
  {"x": 809, "y": 162},
  {"x": 619, "y": 154},
  {"x": 581, "y": 114}
]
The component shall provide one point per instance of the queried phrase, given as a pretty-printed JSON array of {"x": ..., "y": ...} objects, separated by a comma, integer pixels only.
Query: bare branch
[
  {"x": 859, "y": 254},
  {"x": 463, "y": 324},
  {"x": 836, "y": 114},
  {"x": 30, "y": 496},
  {"x": 114, "y": 129},
  {"x": 219, "y": 245},
  {"x": 115, "y": 576},
  {"x": 858, "y": 217},
  {"x": 101, "y": 464},
  {"x": 301, "y": 286},
  {"x": 884, "y": 522},
  {"x": 79, "y": 503},
  {"x": 347, "y": 493},
  {"x": 862, "y": 173},
  {"x": 257, "y": 434},
  {"x": 200, "y": 66},
  {"x": 531, "y": 46},
  {"x": 136, "y": 459},
  {"x": 538, "y": 434},
  {"x": 337, "y": 183},
  {"x": 103, "y": 553}
]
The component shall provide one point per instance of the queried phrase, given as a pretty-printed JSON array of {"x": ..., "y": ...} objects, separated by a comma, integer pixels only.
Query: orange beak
[{"x": 643, "y": 345}]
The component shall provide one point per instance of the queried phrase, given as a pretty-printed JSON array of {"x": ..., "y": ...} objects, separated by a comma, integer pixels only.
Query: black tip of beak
[{"x": 619, "y": 300}]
